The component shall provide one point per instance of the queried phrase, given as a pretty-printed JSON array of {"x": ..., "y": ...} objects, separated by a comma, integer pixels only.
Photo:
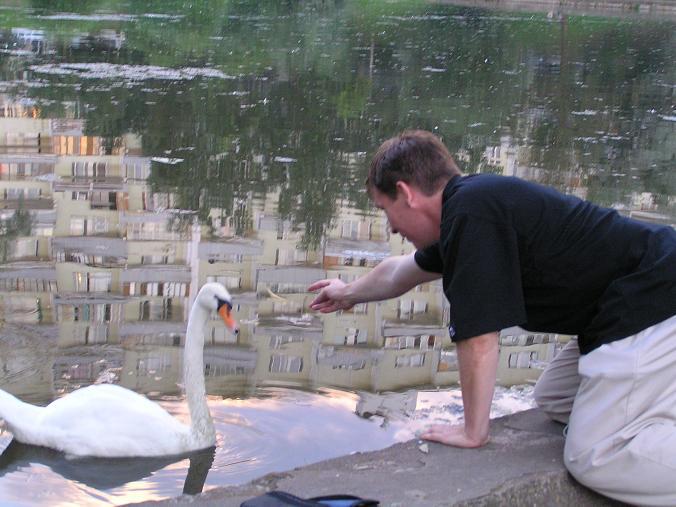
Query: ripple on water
[{"x": 134, "y": 73}]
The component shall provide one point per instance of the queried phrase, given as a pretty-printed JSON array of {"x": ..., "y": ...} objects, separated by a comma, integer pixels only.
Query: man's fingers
[
  {"x": 318, "y": 305},
  {"x": 324, "y": 302},
  {"x": 325, "y": 307},
  {"x": 318, "y": 285},
  {"x": 317, "y": 301}
]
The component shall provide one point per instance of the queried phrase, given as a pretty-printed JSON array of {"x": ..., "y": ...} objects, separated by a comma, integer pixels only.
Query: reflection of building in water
[
  {"x": 524, "y": 354},
  {"x": 27, "y": 290},
  {"x": 30, "y": 40},
  {"x": 25, "y": 187},
  {"x": 512, "y": 159},
  {"x": 105, "y": 39},
  {"x": 115, "y": 264},
  {"x": 509, "y": 159},
  {"x": 388, "y": 405},
  {"x": 27, "y": 40},
  {"x": 27, "y": 357},
  {"x": 77, "y": 366},
  {"x": 379, "y": 346},
  {"x": 644, "y": 207}
]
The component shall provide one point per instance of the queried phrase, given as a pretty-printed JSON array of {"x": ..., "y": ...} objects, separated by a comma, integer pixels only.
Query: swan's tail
[{"x": 15, "y": 413}]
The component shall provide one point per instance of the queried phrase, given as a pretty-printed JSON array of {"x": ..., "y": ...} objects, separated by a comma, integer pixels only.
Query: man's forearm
[
  {"x": 391, "y": 278},
  {"x": 478, "y": 363},
  {"x": 377, "y": 285}
]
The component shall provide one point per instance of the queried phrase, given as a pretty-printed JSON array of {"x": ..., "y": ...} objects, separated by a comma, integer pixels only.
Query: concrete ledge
[
  {"x": 521, "y": 465},
  {"x": 655, "y": 9}
]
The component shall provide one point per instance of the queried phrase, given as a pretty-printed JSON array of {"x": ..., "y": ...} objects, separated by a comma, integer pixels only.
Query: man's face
[{"x": 405, "y": 219}]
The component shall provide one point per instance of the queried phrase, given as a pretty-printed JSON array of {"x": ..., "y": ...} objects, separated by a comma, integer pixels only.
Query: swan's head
[{"x": 214, "y": 297}]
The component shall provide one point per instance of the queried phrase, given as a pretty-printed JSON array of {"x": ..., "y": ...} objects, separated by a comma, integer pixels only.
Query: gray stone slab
[{"x": 521, "y": 465}]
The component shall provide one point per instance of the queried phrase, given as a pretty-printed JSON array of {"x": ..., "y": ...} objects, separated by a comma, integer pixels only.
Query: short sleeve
[
  {"x": 482, "y": 276},
  {"x": 429, "y": 259}
]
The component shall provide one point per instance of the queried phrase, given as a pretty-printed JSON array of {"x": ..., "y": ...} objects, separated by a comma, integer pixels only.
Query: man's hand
[
  {"x": 452, "y": 435},
  {"x": 332, "y": 296},
  {"x": 389, "y": 279},
  {"x": 478, "y": 364}
]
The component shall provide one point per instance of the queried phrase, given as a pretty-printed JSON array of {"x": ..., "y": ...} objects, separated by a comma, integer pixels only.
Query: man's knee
[
  {"x": 583, "y": 467},
  {"x": 577, "y": 467},
  {"x": 613, "y": 470}
]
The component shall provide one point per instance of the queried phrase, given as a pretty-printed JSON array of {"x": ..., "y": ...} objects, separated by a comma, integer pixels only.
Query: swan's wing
[
  {"x": 102, "y": 403},
  {"x": 108, "y": 420}
]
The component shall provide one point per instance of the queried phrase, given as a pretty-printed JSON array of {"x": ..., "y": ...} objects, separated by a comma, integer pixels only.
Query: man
[{"x": 511, "y": 252}]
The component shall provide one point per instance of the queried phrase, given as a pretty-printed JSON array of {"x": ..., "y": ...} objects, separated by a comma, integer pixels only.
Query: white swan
[{"x": 111, "y": 421}]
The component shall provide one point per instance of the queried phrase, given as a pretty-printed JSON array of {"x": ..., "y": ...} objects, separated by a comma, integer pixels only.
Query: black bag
[{"x": 282, "y": 499}]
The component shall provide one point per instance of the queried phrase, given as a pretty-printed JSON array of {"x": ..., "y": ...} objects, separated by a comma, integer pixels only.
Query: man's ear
[{"x": 407, "y": 192}]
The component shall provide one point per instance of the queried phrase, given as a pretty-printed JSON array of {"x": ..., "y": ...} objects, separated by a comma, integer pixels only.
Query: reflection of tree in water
[
  {"x": 229, "y": 155},
  {"x": 17, "y": 225},
  {"x": 319, "y": 96}
]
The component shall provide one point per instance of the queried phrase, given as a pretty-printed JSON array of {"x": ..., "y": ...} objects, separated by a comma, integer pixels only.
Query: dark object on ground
[{"x": 282, "y": 499}]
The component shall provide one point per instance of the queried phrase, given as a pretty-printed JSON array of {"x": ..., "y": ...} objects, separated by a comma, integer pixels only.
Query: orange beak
[{"x": 227, "y": 317}]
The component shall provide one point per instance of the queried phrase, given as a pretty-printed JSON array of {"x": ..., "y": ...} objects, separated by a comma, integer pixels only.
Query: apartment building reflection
[
  {"x": 113, "y": 266},
  {"x": 511, "y": 158}
]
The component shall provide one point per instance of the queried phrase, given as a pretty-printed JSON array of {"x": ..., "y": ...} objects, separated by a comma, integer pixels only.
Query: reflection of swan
[
  {"x": 105, "y": 473},
  {"x": 111, "y": 421}
]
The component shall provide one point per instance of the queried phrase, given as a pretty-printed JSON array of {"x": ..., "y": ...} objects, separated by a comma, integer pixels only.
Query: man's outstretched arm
[
  {"x": 478, "y": 364},
  {"x": 391, "y": 278}
]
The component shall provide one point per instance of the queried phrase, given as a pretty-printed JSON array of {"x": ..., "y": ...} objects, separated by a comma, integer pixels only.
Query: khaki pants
[{"x": 620, "y": 405}]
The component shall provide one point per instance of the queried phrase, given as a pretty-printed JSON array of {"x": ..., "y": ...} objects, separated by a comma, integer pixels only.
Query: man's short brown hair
[{"x": 416, "y": 157}]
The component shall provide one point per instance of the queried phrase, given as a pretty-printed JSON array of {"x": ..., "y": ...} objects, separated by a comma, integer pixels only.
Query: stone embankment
[
  {"x": 658, "y": 9},
  {"x": 521, "y": 466}
]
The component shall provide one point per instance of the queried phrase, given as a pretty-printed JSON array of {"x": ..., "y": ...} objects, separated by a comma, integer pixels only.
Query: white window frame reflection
[
  {"x": 282, "y": 363},
  {"x": 92, "y": 281}
]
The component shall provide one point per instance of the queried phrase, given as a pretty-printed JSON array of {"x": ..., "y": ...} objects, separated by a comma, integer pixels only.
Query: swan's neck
[{"x": 202, "y": 426}]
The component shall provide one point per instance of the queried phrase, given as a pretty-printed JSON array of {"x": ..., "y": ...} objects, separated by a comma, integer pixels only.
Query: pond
[{"x": 148, "y": 149}]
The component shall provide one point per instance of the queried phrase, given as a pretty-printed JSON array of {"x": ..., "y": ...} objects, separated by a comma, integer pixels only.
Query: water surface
[{"x": 148, "y": 149}]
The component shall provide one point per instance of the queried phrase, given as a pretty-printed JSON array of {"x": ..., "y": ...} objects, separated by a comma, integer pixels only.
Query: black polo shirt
[{"x": 516, "y": 253}]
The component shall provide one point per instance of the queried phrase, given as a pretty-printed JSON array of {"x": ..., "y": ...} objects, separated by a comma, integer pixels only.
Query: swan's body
[
  {"x": 111, "y": 421},
  {"x": 101, "y": 420}
]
